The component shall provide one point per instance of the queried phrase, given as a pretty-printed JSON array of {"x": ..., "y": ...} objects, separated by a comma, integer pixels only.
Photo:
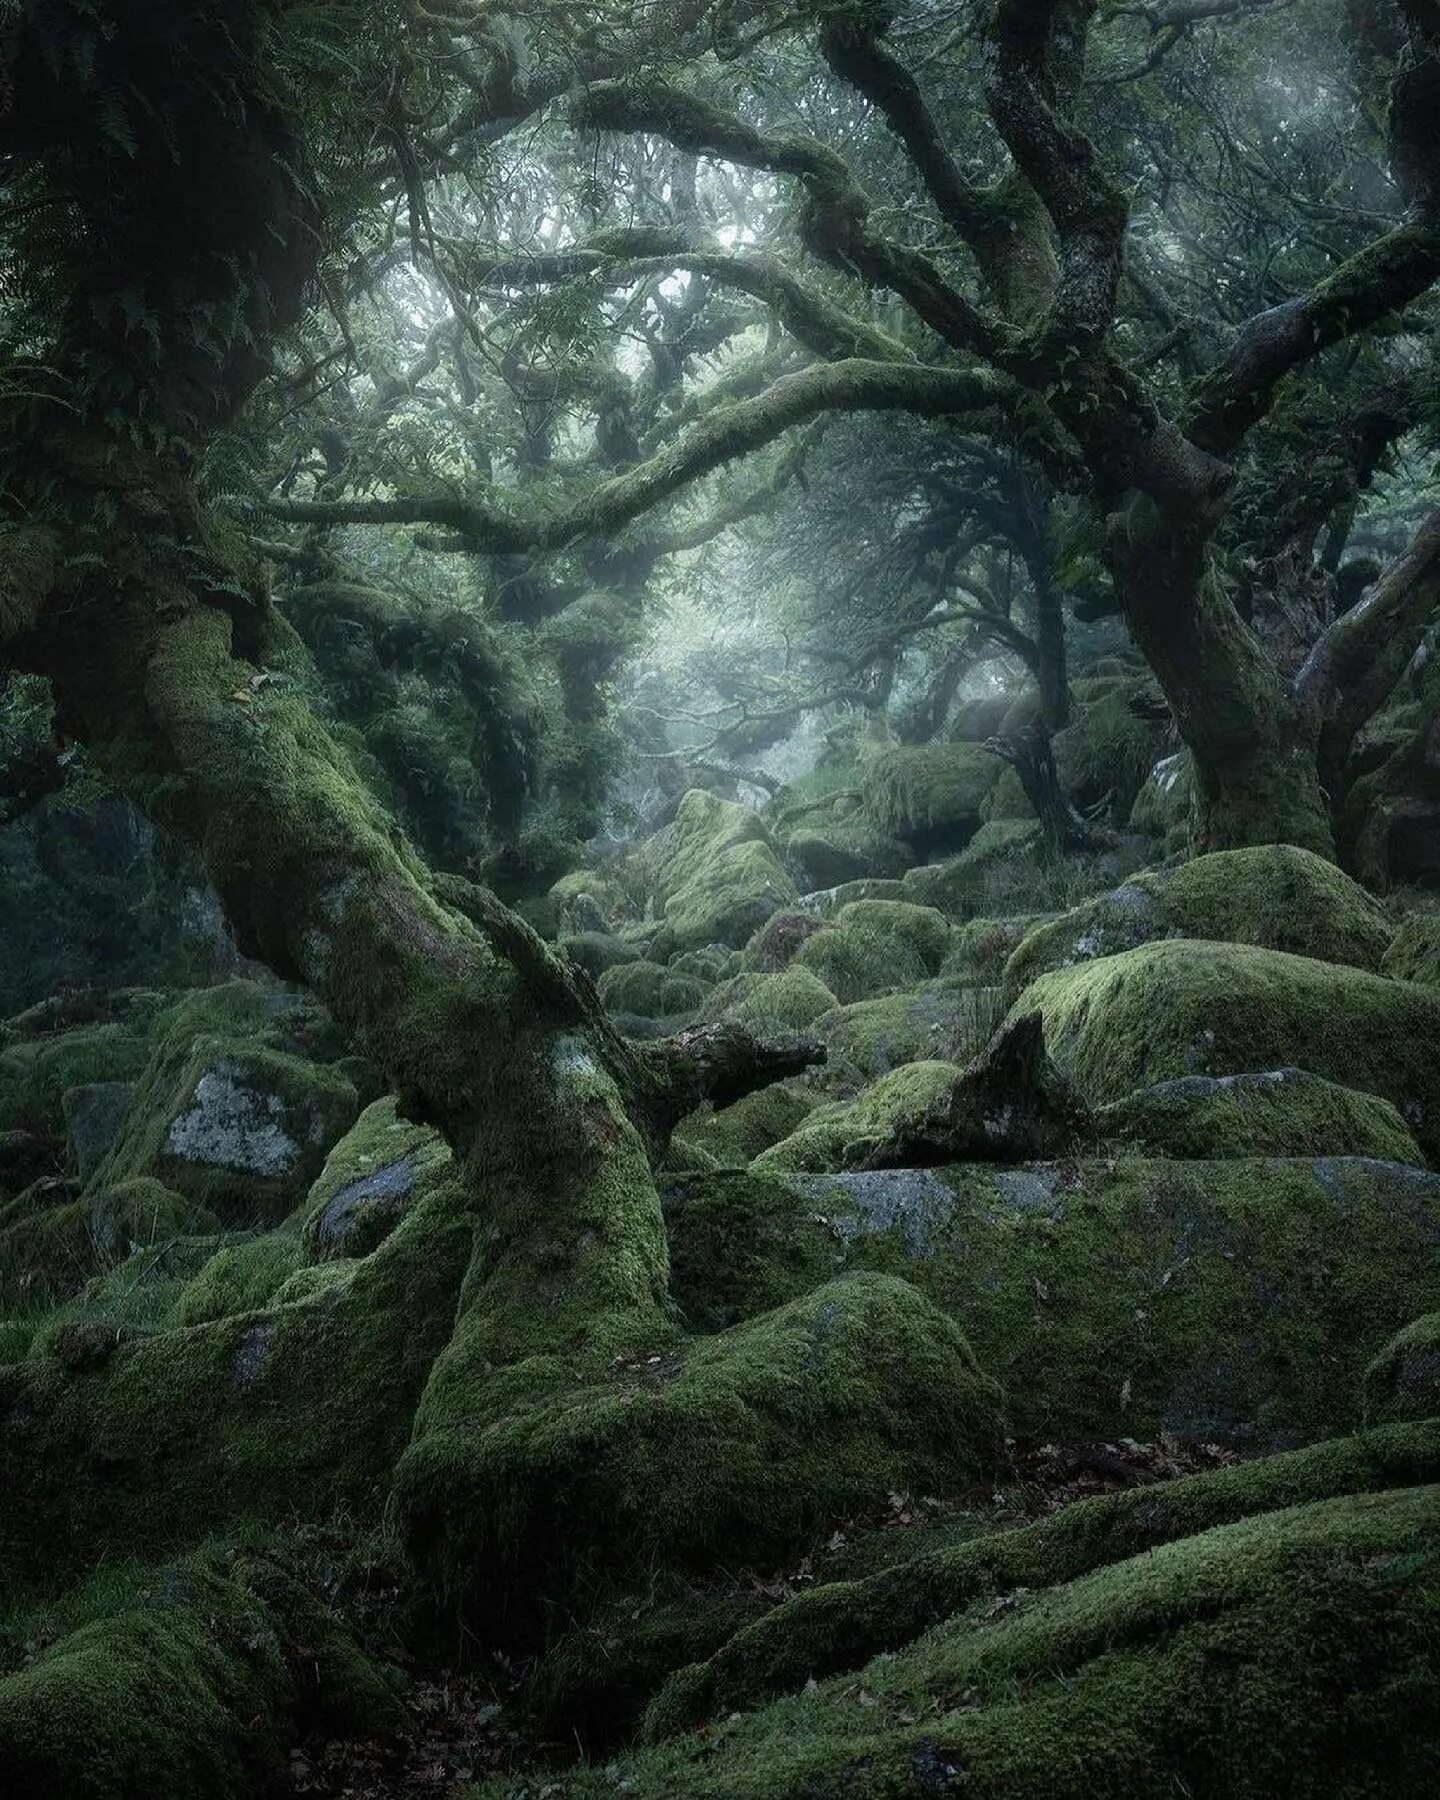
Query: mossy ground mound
[
  {"x": 1180, "y": 1008},
  {"x": 771, "y": 1005},
  {"x": 843, "y": 1625}
]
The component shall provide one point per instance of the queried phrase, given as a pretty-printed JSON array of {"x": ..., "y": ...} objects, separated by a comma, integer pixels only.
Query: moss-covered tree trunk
[{"x": 1255, "y": 745}]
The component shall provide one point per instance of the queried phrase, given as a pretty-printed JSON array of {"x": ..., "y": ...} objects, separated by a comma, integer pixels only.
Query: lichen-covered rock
[
  {"x": 929, "y": 795},
  {"x": 1415, "y": 953},
  {"x": 239, "y": 1128},
  {"x": 1274, "y": 895},
  {"x": 771, "y": 1004},
  {"x": 842, "y": 1625},
  {"x": 383, "y": 1166},
  {"x": 647, "y": 990},
  {"x": 1179, "y": 1008},
  {"x": 1233, "y": 1301},
  {"x": 190, "y": 1681},
  {"x": 843, "y": 1134},
  {"x": 1275, "y": 1112},
  {"x": 722, "y": 878},
  {"x": 753, "y": 1437},
  {"x": 1403, "y": 1382}
]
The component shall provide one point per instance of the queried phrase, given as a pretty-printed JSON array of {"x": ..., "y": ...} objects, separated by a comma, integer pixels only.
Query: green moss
[
  {"x": 597, "y": 951},
  {"x": 722, "y": 877},
  {"x": 1108, "y": 749},
  {"x": 872, "y": 1037},
  {"x": 1165, "y": 804},
  {"x": 648, "y": 990},
  {"x": 1282, "y": 1112},
  {"x": 777, "y": 940},
  {"x": 380, "y": 1169},
  {"x": 229, "y": 1121},
  {"x": 730, "y": 1138},
  {"x": 929, "y": 794},
  {"x": 36, "y": 1074},
  {"x": 56, "y": 1249},
  {"x": 1274, "y": 895},
  {"x": 1403, "y": 1382},
  {"x": 190, "y": 1681},
  {"x": 839, "y": 852},
  {"x": 1415, "y": 953},
  {"x": 1183, "y": 1008},
  {"x": 1001, "y": 862},
  {"x": 271, "y": 1413},
  {"x": 841, "y": 1135},
  {"x": 239, "y": 1278},
  {"x": 875, "y": 945},
  {"x": 770, "y": 1005},
  {"x": 844, "y": 1625},
  {"x": 683, "y": 1455},
  {"x": 980, "y": 948},
  {"x": 1229, "y": 1301}
]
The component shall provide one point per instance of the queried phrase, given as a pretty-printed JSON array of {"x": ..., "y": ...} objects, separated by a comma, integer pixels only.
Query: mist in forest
[{"x": 719, "y": 899}]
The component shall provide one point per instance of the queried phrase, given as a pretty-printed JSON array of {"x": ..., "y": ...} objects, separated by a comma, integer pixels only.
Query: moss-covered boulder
[
  {"x": 776, "y": 942},
  {"x": 587, "y": 900},
  {"x": 1415, "y": 953},
  {"x": 732, "y": 1137},
  {"x": 928, "y": 795},
  {"x": 1277, "y": 1112},
  {"x": 190, "y": 1681},
  {"x": 1109, "y": 747},
  {"x": 980, "y": 948},
  {"x": 239, "y": 1128},
  {"x": 874, "y": 946},
  {"x": 754, "y": 1437},
  {"x": 647, "y": 990},
  {"x": 380, "y": 1169},
  {"x": 771, "y": 1004},
  {"x": 872, "y": 1037},
  {"x": 37, "y": 1072},
  {"x": 825, "y": 858},
  {"x": 1274, "y": 895},
  {"x": 1235, "y": 1301},
  {"x": 1183, "y": 1008},
  {"x": 721, "y": 878},
  {"x": 1001, "y": 868},
  {"x": 269, "y": 1412},
  {"x": 843, "y": 1134}
]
